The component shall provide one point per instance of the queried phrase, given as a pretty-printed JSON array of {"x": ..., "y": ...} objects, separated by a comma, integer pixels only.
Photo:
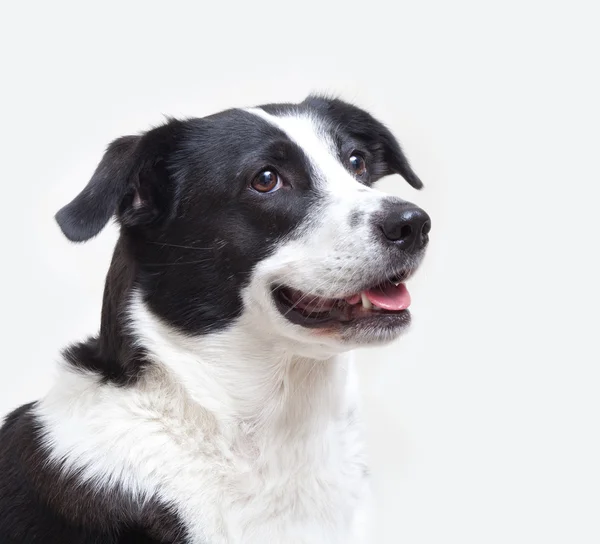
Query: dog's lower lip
[{"x": 312, "y": 311}]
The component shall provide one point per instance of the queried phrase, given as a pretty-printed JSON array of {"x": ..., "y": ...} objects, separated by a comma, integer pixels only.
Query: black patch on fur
[
  {"x": 113, "y": 354},
  {"x": 39, "y": 504},
  {"x": 197, "y": 229},
  {"x": 354, "y": 219},
  {"x": 192, "y": 273}
]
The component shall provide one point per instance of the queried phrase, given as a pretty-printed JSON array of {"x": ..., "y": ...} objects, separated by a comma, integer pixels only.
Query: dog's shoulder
[
  {"x": 24, "y": 515},
  {"x": 39, "y": 504}
]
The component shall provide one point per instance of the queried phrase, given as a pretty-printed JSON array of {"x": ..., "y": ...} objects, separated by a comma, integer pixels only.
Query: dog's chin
[
  {"x": 380, "y": 330},
  {"x": 376, "y": 315}
]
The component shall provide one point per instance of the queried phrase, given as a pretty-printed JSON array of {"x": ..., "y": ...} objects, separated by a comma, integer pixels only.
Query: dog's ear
[
  {"x": 87, "y": 214},
  {"x": 365, "y": 127},
  {"x": 131, "y": 182},
  {"x": 396, "y": 160}
]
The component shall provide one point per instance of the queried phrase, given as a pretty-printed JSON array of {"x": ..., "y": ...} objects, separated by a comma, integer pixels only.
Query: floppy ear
[
  {"x": 130, "y": 181},
  {"x": 364, "y": 126},
  {"x": 88, "y": 213},
  {"x": 397, "y": 161}
]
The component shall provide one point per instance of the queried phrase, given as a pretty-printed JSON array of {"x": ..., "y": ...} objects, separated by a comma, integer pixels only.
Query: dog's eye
[
  {"x": 357, "y": 163},
  {"x": 266, "y": 182}
]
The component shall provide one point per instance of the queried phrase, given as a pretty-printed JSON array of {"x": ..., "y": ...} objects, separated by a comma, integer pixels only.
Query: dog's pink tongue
[{"x": 389, "y": 297}]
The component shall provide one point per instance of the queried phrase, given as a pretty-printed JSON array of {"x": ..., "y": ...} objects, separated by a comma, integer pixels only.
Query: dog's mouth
[{"x": 382, "y": 301}]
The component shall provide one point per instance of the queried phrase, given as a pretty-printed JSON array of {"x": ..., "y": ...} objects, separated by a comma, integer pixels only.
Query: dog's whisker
[
  {"x": 165, "y": 244},
  {"x": 304, "y": 295},
  {"x": 177, "y": 263}
]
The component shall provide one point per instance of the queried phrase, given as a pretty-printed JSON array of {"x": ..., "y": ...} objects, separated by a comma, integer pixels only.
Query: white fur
[
  {"x": 249, "y": 443},
  {"x": 250, "y": 433}
]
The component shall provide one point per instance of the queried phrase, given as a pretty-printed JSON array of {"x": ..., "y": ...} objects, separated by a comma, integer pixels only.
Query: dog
[{"x": 218, "y": 402}]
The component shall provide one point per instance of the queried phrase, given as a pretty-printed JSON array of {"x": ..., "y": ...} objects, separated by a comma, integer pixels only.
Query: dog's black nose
[{"x": 408, "y": 227}]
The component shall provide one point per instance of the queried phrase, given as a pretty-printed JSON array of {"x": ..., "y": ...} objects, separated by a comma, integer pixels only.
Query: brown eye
[
  {"x": 266, "y": 182},
  {"x": 358, "y": 164}
]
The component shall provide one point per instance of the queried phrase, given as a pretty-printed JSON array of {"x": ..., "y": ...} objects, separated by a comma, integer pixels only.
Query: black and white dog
[{"x": 216, "y": 405}]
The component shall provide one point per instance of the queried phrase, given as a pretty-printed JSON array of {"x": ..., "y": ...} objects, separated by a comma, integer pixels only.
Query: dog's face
[{"x": 265, "y": 216}]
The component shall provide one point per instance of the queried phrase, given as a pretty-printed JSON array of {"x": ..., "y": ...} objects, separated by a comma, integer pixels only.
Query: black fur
[
  {"x": 39, "y": 504},
  {"x": 191, "y": 232}
]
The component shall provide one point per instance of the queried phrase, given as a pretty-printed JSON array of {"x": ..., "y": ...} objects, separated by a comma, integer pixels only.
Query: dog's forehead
[{"x": 312, "y": 133}]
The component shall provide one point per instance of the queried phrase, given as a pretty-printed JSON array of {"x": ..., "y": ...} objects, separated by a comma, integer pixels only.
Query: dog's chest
[
  {"x": 297, "y": 481},
  {"x": 293, "y": 488}
]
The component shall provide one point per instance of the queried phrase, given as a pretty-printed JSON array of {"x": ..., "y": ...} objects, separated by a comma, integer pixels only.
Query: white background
[{"x": 484, "y": 420}]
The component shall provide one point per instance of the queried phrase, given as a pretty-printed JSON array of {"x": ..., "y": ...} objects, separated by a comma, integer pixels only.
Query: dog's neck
[
  {"x": 242, "y": 379},
  {"x": 240, "y": 375}
]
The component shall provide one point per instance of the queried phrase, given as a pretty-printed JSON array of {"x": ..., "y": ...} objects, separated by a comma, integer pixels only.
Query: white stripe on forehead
[{"x": 309, "y": 133}]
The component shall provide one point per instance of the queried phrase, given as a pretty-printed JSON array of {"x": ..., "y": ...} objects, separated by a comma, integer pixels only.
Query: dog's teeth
[{"x": 366, "y": 303}]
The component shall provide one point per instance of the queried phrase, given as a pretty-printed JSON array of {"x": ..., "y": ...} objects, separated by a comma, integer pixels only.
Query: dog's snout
[{"x": 407, "y": 227}]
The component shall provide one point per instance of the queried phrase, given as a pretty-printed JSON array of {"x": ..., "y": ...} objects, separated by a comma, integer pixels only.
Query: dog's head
[{"x": 264, "y": 216}]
